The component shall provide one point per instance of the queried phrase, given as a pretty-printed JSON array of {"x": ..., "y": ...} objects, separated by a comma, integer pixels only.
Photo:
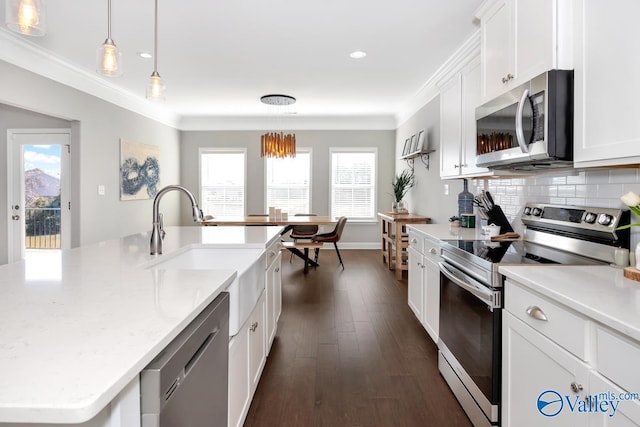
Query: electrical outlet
[
  {"x": 446, "y": 189},
  {"x": 101, "y": 190}
]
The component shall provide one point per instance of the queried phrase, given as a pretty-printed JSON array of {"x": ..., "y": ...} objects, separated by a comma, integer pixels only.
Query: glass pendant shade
[
  {"x": 156, "y": 88},
  {"x": 109, "y": 59},
  {"x": 26, "y": 17}
]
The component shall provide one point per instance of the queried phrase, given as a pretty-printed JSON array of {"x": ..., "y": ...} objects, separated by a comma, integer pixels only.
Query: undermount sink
[{"x": 246, "y": 288}]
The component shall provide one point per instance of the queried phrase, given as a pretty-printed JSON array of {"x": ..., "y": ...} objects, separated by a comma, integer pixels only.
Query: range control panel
[{"x": 580, "y": 218}]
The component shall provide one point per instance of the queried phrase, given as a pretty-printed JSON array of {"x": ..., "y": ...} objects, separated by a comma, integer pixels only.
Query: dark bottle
[{"x": 465, "y": 201}]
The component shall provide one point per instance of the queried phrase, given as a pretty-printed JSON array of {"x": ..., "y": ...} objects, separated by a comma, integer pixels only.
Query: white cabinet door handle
[
  {"x": 537, "y": 313},
  {"x": 414, "y": 240},
  {"x": 277, "y": 269},
  {"x": 272, "y": 253},
  {"x": 576, "y": 388},
  {"x": 254, "y": 326},
  {"x": 433, "y": 251}
]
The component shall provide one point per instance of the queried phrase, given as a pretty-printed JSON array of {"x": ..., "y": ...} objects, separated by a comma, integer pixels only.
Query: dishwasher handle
[{"x": 196, "y": 356}]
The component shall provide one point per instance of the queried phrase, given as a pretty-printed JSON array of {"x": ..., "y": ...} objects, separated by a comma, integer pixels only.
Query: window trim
[
  {"x": 298, "y": 150},
  {"x": 374, "y": 150},
  {"x": 213, "y": 150}
]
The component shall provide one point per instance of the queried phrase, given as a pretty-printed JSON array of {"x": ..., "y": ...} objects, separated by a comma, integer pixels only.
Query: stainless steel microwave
[{"x": 529, "y": 127}]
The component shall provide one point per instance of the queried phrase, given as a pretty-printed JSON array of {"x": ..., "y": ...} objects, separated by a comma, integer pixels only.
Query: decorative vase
[
  {"x": 465, "y": 200},
  {"x": 637, "y": 251}
]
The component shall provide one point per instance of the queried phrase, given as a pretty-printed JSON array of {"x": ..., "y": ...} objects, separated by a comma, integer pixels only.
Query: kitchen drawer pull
[
  {"x": 277, "y": 269},
  {"x": 254, "y": 326},
  {"x": 537, "y": 313},
  {"x": 433, "y": 251},
  {"x": 414, "y": 240},
  {"x": 272, "y": 253}
]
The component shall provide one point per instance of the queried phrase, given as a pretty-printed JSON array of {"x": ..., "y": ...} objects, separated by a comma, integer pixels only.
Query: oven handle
[
  {"x": 481, "y": 292},
  {"x": 519, "y": 128}
]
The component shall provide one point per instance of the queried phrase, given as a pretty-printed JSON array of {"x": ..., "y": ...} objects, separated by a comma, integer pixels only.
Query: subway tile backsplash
[{"x": 596, "y": 187}]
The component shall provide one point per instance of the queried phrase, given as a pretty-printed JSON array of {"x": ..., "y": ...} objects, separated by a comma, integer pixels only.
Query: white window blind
[
  {"x": 288, "y": 183},
  {"x": 222, "y": 182},
  {"x": 353, "y": 183}
]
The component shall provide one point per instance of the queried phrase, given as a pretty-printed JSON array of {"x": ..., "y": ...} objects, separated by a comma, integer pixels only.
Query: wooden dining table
[{"x": 288, "y": 224}]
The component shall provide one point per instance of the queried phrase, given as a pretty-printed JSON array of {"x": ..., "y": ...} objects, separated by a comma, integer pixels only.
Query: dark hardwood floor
[{"x": 349, "y": 352}]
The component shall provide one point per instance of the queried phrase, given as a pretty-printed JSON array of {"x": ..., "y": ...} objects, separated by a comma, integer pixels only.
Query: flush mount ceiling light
[
  {"x": 156, "y": 88},
  {"x": 358, "y": 54},
  {"x": 108, "y": 57},
  {"x": 144, "y": 55},
  {"x": 278, "y": 144},
  {"x": 26, "y": 17}
]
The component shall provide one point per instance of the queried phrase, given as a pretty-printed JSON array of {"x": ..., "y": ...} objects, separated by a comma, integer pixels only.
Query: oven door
[{"x": 470, "y": 335}]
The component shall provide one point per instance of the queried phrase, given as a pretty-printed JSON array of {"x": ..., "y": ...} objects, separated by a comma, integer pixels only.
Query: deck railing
[{"x": 42, "y": 228}]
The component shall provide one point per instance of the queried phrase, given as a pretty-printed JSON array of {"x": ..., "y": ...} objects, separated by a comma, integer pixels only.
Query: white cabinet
[
  {"x": 424, "y": 282},
  {"x": 459, "y": 97},
  {"x": 521, "y": 39},
  {"x": 627, "y": 412},
  {"x": 247, "y": 356},
  {"x": 273, "y": 288},
  {"x": 606, "y": 83},
  {"x": 415, "y": 286},
  {"x": 561, "y": 368},
  {"x": 535, "y": 369}
]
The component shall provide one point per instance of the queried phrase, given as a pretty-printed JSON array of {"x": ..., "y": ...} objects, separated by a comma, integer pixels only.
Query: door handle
[
  {"x": 519, "y": 119},
  {"x": 15, "y": 217}
]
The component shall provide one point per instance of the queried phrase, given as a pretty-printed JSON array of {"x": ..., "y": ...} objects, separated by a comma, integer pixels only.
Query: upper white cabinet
[
  {"x": 606, "y": 83},
  {"x": 521, "y": 39},
  {"x": 459, "y": 97}
]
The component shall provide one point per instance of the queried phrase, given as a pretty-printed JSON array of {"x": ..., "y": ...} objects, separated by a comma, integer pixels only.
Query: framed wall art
[
  {"x": 407, "y": 147},
  {"x": 139, "y": 170},
  {"x": 420, "y": 143}
]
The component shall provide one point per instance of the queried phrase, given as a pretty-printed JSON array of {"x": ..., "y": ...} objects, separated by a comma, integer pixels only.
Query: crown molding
[
  {"x": 262, "y": 123},
  {"x": 431, "y": 88},
  {"x": 22, "y": 53}
]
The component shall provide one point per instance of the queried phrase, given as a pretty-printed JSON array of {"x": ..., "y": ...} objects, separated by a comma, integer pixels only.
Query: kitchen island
[{"x": 72, "y": 342}]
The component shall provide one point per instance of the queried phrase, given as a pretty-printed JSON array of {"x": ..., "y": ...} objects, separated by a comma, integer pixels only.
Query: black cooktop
[{"x": 516, "y": 252}]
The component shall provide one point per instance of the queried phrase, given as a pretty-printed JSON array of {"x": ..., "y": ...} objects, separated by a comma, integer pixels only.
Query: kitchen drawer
[
  {"x": 617, "y": 359},
  {"x": 416, "y": 241},
  {"x": 562, "y": 325},
  {"x": 431, "y": 249}
]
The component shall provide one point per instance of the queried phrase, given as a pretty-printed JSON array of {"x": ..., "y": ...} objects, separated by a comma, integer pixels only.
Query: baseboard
[{"x": 355, "y": 245}]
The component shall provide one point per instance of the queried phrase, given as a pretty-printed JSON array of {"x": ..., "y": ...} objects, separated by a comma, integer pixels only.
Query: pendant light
[
  {"x": 26, "y": 17},
  {"x": 278, "y": 144},
  {"x": 156, "y": 87},
  {"x": 108, "y": 56}
]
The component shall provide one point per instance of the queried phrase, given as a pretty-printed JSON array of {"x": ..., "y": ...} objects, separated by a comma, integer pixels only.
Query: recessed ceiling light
[
  {"x": 145, "y": 55},
  {"x": 358, "y": 54}
]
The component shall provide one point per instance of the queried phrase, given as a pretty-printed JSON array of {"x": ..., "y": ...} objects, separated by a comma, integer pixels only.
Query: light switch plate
[
  {"x": 446, "y": 189},
  {"x": 101, "y": 190}
]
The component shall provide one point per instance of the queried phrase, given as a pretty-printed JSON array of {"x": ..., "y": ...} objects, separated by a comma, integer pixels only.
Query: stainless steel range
[{"x": 471, "y": 295}]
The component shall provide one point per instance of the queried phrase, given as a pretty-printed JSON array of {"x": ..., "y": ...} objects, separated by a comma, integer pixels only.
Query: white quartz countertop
[
  {"x": 75, "y": 332},
  {"x": 445, "y": 232},
  {"x": 599, "y": 292}
]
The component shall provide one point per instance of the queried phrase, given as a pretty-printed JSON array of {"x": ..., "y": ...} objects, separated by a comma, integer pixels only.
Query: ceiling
[{"x": 218, "y": 58}]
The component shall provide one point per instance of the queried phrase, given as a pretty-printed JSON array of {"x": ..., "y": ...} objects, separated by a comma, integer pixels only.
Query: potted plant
[{"x": 401, "y": 184}]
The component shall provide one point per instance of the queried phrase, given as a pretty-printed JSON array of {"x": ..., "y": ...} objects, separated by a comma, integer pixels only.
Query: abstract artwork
[{"x": 139, "y": 170}]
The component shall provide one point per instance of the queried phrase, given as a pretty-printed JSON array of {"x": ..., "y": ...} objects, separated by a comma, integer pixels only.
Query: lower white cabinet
[
  {"x": 424, "y": 282},
  {"x": 561, "y": 368},
  {"x": 273, "y": 288},
  {"x": 247, "y": 356},
  {"x": 415, "y": 286},
  {"x": 534, "y": 369}
]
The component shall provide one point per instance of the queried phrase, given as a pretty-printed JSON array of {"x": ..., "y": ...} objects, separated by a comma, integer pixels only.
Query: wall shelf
[{"x": 424, "y": 157}]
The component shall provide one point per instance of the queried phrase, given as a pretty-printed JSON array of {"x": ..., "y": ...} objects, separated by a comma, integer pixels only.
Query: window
[
  {"x": 222, "y": 182},
  {"x": 288, "y": 182},
  {"x": 353, "y": 183}
]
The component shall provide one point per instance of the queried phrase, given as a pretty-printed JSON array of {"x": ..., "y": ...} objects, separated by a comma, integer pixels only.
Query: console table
[{"x": 395, "y": 239}]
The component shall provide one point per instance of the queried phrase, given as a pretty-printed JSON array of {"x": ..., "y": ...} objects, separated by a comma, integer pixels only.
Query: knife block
[{"x": 497, "y": 217}]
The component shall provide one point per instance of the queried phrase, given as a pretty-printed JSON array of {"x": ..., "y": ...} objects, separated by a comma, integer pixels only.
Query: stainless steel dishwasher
[{"x": 186, "y": 384}]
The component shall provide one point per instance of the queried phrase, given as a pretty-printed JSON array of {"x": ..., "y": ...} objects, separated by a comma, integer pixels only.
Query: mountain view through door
[{"x": 42, "y": 196}]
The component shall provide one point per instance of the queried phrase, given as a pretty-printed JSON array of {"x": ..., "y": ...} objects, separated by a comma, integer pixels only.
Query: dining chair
[
  {"x": 303, "y": 231},
  {"x": 333, "y": 237}
]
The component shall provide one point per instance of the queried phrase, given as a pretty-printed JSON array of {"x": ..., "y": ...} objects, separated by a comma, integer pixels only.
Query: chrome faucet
[{"x": 157, "y": 233}]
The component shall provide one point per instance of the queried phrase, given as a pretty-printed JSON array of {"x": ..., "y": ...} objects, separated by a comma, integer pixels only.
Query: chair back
[
  {"x": 304, "y": 230},
  {"x": 340, "y": 226}
]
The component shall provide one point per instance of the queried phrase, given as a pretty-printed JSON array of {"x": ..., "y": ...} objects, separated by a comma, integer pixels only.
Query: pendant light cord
[
  {"x": 109, "y": 20},
  {"x": 155, "y": 40}
]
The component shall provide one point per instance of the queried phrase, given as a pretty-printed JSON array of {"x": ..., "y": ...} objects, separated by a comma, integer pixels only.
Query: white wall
[
  {"x": 97, "y": 127},
  {"x": 355, "y": 235},
  {"x": 427, "y": 198}
]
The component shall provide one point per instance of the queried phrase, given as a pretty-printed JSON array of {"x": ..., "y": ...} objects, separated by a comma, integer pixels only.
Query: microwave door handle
[
  {"x": 519, "y": 128},
  {"x": 482, "y": 293}
]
